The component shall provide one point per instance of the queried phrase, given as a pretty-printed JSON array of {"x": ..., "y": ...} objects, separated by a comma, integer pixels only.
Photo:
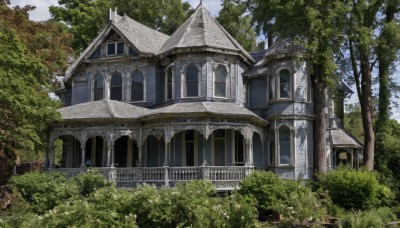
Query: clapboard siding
[
  {"x": 257, "y": 93},
  {"x": 81, "y": 92}
]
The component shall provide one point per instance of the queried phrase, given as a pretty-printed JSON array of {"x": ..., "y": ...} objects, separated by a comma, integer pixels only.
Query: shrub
[
  {"x": 266, "y": 187},
  {"x": 89, "y": 182},
  {"x": 43, "y": 191},
  {"x": 366, "y": 219},
  {"x": 352, "y": 189}
]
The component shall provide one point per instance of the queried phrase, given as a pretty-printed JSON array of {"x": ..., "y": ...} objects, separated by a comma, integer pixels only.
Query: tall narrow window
[
  {"x": 137, "y": 86},
  {"x": 116, "y": 87},
  {"x": 220, "y": 82},
  {"x": 189, "y": 148},
  {"x": 284, "y": 84},
  {"x": 98, "y": 87},
  {"x": 219, "y": 147},
  {"x": 239, "y": 148},
  {"x": 284, "y": 145},
  {"x": 169, "y": 84},
  {"x": 272, "y": 151},
  {"x": 191, "y": 87}
]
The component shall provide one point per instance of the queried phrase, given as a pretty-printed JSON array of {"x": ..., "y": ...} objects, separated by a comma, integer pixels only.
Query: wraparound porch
[{"x": 222, "y": 177}]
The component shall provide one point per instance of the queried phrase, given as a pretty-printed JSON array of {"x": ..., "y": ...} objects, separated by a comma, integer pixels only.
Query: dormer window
[{"x": 116, "y": 48}]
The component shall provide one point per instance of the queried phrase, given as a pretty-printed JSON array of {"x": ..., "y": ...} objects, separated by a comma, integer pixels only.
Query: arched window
[
  {"x": 116, "y": 87},
  {"x": 137, "y": 86},
  {"x": 284, "y": 84},
  {"x": 284, "y": 146},
  {"x": 98, "y": 87},
  {"x": 191, "y": 86},
  {"x": 169, "y": 84},
  {"x": 220, "y": 82}
]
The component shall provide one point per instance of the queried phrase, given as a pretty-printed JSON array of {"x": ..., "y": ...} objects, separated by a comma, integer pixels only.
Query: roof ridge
[
  {"x": 109, "y": 108},
  {"x": 203, "y": 19}
]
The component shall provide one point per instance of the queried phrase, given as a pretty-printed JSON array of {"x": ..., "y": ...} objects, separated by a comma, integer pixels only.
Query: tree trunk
[
  {"x": 367, "y": 111},
  {"x": 319, "y": 94}
]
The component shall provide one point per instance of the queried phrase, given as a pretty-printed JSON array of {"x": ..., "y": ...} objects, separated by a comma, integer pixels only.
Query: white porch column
[
  {"x": 83, "y": 150},
  {"x": 109, "y": 154},
  {"x": 166, "y": 152}
]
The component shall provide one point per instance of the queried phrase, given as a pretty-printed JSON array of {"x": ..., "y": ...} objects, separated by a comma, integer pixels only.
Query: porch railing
[{"x": 223, "y": 177}]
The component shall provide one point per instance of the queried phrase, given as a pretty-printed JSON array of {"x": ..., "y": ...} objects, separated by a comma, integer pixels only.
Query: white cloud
[{"x": 41, "y": 12}]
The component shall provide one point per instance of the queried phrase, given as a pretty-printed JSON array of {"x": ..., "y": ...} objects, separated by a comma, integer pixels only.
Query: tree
[
  {"x": 25, "y": 106},
  {"x": 86, "y": 18},
  {"x": 232, "y": 17},
  {"x": 318, "y": 25}
]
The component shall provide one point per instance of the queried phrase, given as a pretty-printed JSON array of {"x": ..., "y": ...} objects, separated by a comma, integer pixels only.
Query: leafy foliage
[
  {"x": 352, "y": 189},
  {"x": 296, "y": 202},
  {"x": 86, "y": 17},
  {"x": 88, "y": 182},
  {"x": 233, "y": 18},
  {"x": 373, "y": 218}
]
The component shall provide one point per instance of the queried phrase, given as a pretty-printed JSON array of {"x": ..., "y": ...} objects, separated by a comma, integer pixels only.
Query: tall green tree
[
  {"x": 318, "y": 25},
  {"x": 388, "y": 45},
  {"x": 233, "y": 18},
  {"x": 86, "y": 18}
]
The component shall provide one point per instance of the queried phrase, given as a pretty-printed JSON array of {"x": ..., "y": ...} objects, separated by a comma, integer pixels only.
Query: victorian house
[{"x": 144, "y": 107}]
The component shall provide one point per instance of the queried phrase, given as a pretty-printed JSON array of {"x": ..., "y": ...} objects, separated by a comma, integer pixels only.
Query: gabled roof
[
  {"x": 202, "y": 30},
  {"x": 341, "y": 139},
  {"x": 143, "y": 38},
  {"x": 284, "y": 47}
]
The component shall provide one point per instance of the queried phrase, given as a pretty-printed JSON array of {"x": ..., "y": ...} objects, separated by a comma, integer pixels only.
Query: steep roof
[
  {"x": 145, "y": 39},
  {"x": 284, "y": 47},
  {"x": 202, "y": 30}
]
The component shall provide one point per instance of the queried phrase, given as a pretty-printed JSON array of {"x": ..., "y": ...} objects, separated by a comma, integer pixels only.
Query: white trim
[
  {"x": 129, "y": 85},
  {"x": 116, "y": 48},
  {"x": 172, "y": 66},
  {"x": 226, "y": 68},
  {"x": 278, "y": 149},
  {"x": 122, "y": 84}
]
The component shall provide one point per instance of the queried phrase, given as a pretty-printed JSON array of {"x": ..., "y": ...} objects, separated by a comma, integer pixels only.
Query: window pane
[
  {"x": 98, "y": 87},
  {"x": 137, "y": 88},
  {"x": 219, "y": 89},
  {"x": 116, "y": 87},
  {"x": 120, "y": 48},
  {"x": 220, "y": 82},
  {"x": 111, "y": 49},
  {"x": 284, "y": 145},
  {"x": 284, "y": 80},
  {"x": 192, "y": 89}
]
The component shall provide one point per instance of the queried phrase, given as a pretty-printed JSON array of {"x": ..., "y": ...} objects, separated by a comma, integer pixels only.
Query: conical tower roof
[{"x": 201, "y": 30}]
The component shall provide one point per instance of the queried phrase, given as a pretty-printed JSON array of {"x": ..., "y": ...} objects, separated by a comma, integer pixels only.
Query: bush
[
  {"x": 43, "y": 191},
  {"x": 367, "y": 219},
  {"x": 296, "y": 202},
  {"x": 89, "y": 182},
  {"x": 353, "y": 189}
]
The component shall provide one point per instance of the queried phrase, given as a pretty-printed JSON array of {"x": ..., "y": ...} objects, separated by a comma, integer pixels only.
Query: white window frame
[
  {"x": 278, "y": 148},
  {"x": 278, "y": 85},
  {"x": 116, "y": 48},
  {"x": 213, "y": 150},
  {"x": 172, "y": 67},
  {"x": 183, "y": 86},
  {"x": 226, "y": 80},
  {"x": 144, "y": 86},
  {"x": 195, "y": 144},
  {"x": 122, "y": 85}
]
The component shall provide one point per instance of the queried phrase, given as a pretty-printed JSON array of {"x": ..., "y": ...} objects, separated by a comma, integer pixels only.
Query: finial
[{"x": 201, "y": 2}]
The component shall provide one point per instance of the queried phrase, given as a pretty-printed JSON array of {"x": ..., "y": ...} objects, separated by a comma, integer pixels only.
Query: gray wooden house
[{"x": 144, "y": 107}]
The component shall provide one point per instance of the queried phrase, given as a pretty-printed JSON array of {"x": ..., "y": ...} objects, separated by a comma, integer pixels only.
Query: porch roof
[
  {"x": 110, "y": 109},
  {"x": 341, "y": 139},
  {"x": 103, "y": 109}
]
